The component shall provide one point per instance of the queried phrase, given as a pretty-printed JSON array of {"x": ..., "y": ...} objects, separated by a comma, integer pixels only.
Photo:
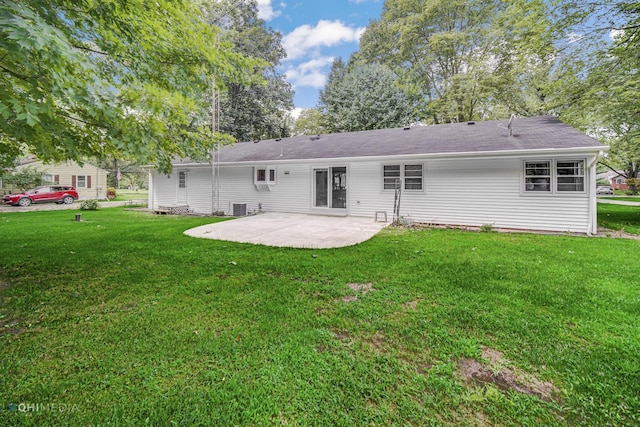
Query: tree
[
  {"x": 259, "y": 110},
  {"x": 25, "y": 178},
  {"x": 310, "y": 122},
  {"x": 601, "y": 81},
  {"x": 366, "y": 97},
  {"x": 89, "y": 78},
  {"x": 468, "y": 59}
]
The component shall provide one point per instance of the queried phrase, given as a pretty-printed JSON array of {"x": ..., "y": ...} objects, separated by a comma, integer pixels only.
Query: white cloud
[
  {"x": 614, "y": 34},
  {"x": 295, "y": 113},
  {"x": 266, "y": 12},
  {"x": 306, "y": 39},
  {"x": 310, "y": 73}
]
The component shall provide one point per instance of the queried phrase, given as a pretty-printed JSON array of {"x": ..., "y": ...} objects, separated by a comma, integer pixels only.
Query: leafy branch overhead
[{"x": 94, "y": 78}]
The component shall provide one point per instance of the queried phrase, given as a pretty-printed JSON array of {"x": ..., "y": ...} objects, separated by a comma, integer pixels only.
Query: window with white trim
[
  {"x": 554, "y": 176},
  {"x": 537, "y": 176},
  {"x": 410, "y": 176},
  {"x": 265, "y": 176},
  {"x": 81, "y": 181},
  {"x": 570, "y": 175}
]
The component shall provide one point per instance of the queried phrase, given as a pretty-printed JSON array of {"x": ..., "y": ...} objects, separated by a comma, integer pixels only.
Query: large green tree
[
  {"x": 365, "y": 97},
  {"x": 468, "y": 59},
  {"x": 99, "y": 78},
  {"x": 259, "y": 110},
  {"x": 598, "y": 84}
]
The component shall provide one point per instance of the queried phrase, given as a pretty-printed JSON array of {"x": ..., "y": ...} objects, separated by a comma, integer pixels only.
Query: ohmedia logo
[{"x": 42, "y": 407}]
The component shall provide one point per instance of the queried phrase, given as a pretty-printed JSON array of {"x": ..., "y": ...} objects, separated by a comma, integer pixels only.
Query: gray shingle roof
[{"x": 535, "y": 133}]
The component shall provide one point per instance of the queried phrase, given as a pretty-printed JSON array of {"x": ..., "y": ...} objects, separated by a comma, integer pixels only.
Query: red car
[{"x": 52, "y": 193}]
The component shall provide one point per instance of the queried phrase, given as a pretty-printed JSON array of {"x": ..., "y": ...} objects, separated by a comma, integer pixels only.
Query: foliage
[
  {"x": 365, "y": 97},
  {"x": 141, "y": 324},
  {"x": 634, "y": 184},
  {"x": 259, "y": 110},
  {"x": 89, "y": 205},
  {"x": 25, "y": 178},
  {"x": 487, "y": 228},
  {"x": 88, "y": 78},
  {"x": 467, "y": 59},
  {"x": 111, "y": 193},
  {"x": 598, "y": 82},
  {"x": 310, "y": 122}
]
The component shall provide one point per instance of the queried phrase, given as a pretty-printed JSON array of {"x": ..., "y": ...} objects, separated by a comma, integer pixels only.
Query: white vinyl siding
[{"x": 467, "y": 192}]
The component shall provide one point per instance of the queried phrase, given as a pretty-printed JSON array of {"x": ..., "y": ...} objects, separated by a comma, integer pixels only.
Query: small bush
[
  {"x": 89, "y": 205},
  {"x": 111, "y": 193},
  {"x": 486, "y": 228}
]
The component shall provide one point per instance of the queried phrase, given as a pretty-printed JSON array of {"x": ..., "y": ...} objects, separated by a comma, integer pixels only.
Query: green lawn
[
  {"x": 125, "y": 194},
  {"x": 624, "y": 198},
  {"x": 123, "y": 320},
  {"x": 619, "y": 217}
]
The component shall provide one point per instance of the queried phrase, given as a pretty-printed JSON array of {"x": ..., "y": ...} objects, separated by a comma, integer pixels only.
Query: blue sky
[{"x": 315, "y": 32}]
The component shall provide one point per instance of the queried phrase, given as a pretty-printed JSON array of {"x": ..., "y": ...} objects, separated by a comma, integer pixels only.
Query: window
[
  {"x": 570, "y": 175},
  {"x": 411, "y": 175},
  {"x": 182, "y": 179},
  {"x": 537, "y": 176},
  {"x": 559, "y": 176},
  {"x": 81, "y": 181},
  {"x": 47, "y": 178},
  {"x": 265, "y": 176},
  {"x": 391, "y": 176}
]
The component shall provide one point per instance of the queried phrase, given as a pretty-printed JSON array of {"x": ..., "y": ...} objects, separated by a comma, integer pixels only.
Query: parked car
[
  {"x": 51, "y": 193},
  {"x": 604, "y": 189}
]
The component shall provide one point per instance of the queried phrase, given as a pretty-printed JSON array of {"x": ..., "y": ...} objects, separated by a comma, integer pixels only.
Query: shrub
[
  {"x": 111, "y": 193},
  {"x": 486, "y": 228},
  {"x": 89, "y": 205}
]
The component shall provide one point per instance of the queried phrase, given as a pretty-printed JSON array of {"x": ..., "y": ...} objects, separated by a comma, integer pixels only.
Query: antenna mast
[{"x": 215, "y": 162}]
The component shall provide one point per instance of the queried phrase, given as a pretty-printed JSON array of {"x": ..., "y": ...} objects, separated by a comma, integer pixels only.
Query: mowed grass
[
  {"x": 123, "y": 320},
  {"x": 619, "y": 217}
]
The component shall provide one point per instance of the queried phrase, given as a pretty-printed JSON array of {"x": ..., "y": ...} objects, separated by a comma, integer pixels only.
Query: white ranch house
[{"x": 538, "y": 175}]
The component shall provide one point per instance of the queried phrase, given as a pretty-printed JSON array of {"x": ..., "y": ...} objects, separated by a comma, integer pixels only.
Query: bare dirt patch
[
  {"x": 360, "y": 289},
  {"x": 497, "y": 371}
]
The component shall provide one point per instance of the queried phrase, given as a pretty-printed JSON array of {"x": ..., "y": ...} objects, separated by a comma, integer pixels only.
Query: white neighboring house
[
  {"x": 533, "y": 174},
  {"x": 90, "y": 181}
]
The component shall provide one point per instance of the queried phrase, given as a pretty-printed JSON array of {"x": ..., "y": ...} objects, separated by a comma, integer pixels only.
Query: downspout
[{"x": 593, "y": 204}]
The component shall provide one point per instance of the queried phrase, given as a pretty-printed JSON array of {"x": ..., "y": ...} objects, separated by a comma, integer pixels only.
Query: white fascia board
[{"x": 405, "y": 157}]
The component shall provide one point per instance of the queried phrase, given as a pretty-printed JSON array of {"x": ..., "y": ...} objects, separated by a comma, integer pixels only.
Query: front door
[{"x": 330, "y": 187}]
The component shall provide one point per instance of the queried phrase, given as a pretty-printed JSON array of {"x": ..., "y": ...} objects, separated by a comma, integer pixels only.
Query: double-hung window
[
  {"x": 570, "y": 175},
  {"x": 554, "y": 176},
  {"x": 81, "y": 181},
  {"x": 410, "y": 177}
]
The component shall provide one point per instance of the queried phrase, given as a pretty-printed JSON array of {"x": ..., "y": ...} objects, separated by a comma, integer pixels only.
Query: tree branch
[
  {"x": 603, "y": 163},
  {"x": 77, "y": 119}
]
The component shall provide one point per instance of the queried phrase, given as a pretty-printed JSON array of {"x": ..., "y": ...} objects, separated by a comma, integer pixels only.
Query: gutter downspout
[{"x": 593, "y": 204}]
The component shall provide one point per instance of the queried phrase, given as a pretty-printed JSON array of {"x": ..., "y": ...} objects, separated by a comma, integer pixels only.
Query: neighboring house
[
  {"x": 538, "y": 175},
  {"x": 619, "y": 181},
  {"x": 90, "y": 181}
]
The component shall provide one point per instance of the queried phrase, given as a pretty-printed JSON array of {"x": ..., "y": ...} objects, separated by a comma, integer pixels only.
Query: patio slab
[{"x": 292, "y": 230}]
